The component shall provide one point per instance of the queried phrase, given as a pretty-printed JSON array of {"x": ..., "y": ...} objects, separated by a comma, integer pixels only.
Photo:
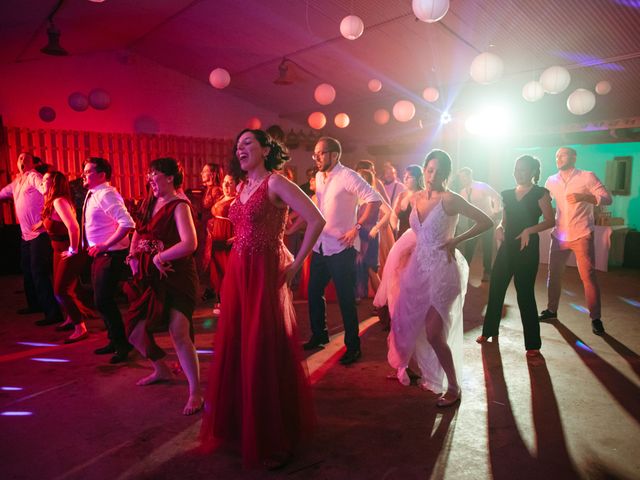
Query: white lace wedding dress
[{"x": 418, "y": 276}]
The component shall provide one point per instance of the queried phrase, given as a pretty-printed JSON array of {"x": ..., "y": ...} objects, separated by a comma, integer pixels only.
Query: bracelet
[{"x": 71, "y": 251}]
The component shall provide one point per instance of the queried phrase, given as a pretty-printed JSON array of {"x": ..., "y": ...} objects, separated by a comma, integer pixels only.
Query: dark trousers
[
  {"x": 36, "y": 260},
  {"x": 469, "y": 248},
  {"x": 106, "y": 270},
  {"x": 523, "y": 267},
  {"x": 341, "y": 268}
]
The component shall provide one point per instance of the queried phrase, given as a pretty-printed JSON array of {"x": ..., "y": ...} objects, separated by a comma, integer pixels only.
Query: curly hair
[{"x": 278, "y": 154}]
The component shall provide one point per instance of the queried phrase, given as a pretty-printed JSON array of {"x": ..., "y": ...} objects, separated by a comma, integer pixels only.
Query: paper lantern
[
  {"x": 375, "y": 85},
  {"x": 555, "y": 79},
  {"x": 47, "y": 114},
  {"x": 219, "y": 78},
  {"x": 324, "y": 94},
  {"x": 99, "y": 99},
  {"x": 381, "y": 116},
  {"x": 351, "y": 27},
  {"x": 430, "y": 11},
  {"x": 431, "y": 94},
  {"x": 603, "y": 87},
  {"x": 581, "y": 101},
  {"x": 486, "y": 68},
  {"x": 341, "y": 120},
  {"x": 78, "y": 101},
  {"x": 317, "y": 120},
  {"x": 404, "y": 110},
  {"x": 254, "y": 123},
  {"x": 532, "y": 91}
]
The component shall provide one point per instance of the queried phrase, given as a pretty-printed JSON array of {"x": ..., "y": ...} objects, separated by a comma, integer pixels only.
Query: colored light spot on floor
[
  {"x": 579, "y": 308},
  {"x": 630, "y": 301},
  {"x": 10, "y": 389},
  {"x": 16, "y": 414},
  {"x": 50, "y": 360},
  {"x": 38, "y": 344},
  {"x": 583, "y": 346}
]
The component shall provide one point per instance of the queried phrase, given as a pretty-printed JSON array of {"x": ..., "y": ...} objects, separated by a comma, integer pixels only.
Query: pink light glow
[{"x": 50, "y": 360}]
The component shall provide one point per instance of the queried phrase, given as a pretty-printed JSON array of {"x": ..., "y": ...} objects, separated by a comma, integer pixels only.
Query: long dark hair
[
  {"x": 278, "y": 154},
  {"x": 59, "y": 189},
  {"x": 416, "y": 172},
  {"x": 444, "y": 163}
]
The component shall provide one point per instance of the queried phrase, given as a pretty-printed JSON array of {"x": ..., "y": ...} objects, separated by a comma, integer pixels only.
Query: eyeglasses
[{"x": 316, "y": 156}]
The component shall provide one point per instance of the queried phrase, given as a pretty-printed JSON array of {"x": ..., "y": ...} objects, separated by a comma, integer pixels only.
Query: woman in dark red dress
[
  {"x": 163, "y": 292},
  {"x": 259, "y": 398}
]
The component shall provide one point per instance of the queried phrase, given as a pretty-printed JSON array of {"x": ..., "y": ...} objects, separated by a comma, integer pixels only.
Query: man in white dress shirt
[
  {"x": 392, "y": 186},
  {"x": 575, "y": 193},
  {"x": 105, "y": 230},
  {"x": 338, "y": 191},
  {"x": 483, "y": 196}
]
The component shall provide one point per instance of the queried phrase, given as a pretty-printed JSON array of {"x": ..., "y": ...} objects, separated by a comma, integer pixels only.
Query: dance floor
[{"x": 575, "y": 413}]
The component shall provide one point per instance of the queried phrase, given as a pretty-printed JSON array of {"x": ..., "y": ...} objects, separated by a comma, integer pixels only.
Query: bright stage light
[
  {"x": 445, "y": 118},
  {"x": 491, "y": 122}
]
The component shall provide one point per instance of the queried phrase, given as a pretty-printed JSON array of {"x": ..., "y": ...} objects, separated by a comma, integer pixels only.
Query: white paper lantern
[
  {"x": 219, "y": 78},
  {"x": 381, "y": 116},
  {"x": 341, "y": 120},
  {"x": 324, "y": 94},
  {"x": 603, "y": 87},
  {"x": 486, "y": 68},
  {"x": 555, "y": 79},
  {"x": 351, "y": 27},
  {"x": 78, "y": 101},
  {"x": 254, "y": 123},
  {"x": 430, "y": 11},
  {"x": 317, "y": 120},
  {"x": 532, "y": 91},
  {"x": 375, "y": 85},
  {"x": 581, "y": 101},
  {"x": 404, "y": 110},
  {"x": 99, "y": 99},
  {"x": 431, "y": 94}
]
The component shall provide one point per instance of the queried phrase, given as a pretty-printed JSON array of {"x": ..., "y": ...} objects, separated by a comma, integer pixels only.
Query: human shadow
[
  {"x": 625, "y": 392},
  {"x": 632, "y": 358}
]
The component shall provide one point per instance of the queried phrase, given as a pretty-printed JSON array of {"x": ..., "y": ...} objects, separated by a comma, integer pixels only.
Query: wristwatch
[{"x": 358, "y": 226}]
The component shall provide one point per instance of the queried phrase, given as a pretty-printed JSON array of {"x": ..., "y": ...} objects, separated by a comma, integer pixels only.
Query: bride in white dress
[{"x": 426, "y": 281}]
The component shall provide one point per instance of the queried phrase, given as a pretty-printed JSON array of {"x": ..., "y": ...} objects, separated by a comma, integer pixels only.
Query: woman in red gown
[{"x": 259, "y": 399}]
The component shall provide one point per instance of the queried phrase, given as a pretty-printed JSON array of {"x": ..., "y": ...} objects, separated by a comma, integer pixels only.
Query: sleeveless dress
[
  {"x": 403, "y": 220},
  {"x": 425, "y": 280},
  {"x": 151, "y": 297},
  {"x": 259, "y": 399},
  {"x": 216, "y": 252}
]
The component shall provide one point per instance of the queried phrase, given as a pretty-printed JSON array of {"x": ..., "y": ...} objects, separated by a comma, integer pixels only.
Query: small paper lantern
[
  {"x": 486, "y": 68},
  {"x": 603, "y": 87},
  {"x": 532, "y": 91},
  {"x": 47, "y": 114},
  {"x": 375, "y": 85},
  {"x": 404, "y": 110},
  {"x": 317, "y": 120},
  {"x": 99, "y": 99},
  {"x": 78, "y": 101},
  {"x": 555, "y": 79},
  {"x": 341, "y": 120},
  {"x": 381, "y": 116},
  {"x": 351, "y": 27},
  {"x": 324, "y": 94},
  {"x": 219, "y": 78},
  {"x": 431, "y": 94},
  {"x": 254, "y": 123},
  {"x": 430, "y": 11},
  {"x": 581, "y": 101}
]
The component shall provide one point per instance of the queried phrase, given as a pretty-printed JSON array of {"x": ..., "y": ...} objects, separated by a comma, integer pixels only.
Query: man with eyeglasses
[
  {"x": 338, "y": 190},
  {"x": 106, "y": 225}
]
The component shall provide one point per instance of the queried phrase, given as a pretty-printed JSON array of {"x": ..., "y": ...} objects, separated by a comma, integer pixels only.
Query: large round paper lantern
[
  {"x": 341, "y": 120},
  {"x": 254, "y": 123},
  {"x": 603, "y": 87},
  {"x": 404, "y": 110},
  {"x": 532, "y": 91},
  {"x": 555, "y": 79},
  {"x": 374, "y": 85},
  {"x": 324, "y": 94},
  {"x": 219, "y": 78},
  {"x": 581, "y": 101},
  {"x": 486, "y": 68},
  {"x": 431, "y": 94},
  {"x": 381, "y": 116},
  {"x": 351, "y": 27},
  {"x": 99, "y": 99},
  {"x": 317, "y": 120},
  {"x": 47, "y": 114},
  {"x": 430, "y": 11},
  {"x": 78, "y": 101}
]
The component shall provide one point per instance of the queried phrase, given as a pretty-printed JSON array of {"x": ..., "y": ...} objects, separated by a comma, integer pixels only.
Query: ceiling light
[{"x": 53, "y": 46}]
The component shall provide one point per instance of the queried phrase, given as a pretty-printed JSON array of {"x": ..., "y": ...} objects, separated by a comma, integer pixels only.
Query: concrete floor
[{"x": 573, "y": 414}]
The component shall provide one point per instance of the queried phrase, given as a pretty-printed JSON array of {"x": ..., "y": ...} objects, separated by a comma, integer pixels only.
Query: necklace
[{"x": 253, "y": 184}]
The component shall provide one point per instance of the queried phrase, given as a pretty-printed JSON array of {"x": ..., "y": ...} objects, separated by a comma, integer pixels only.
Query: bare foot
[
  {"x": 194, "y": 405},
  {"x": 156, "y": 377}
]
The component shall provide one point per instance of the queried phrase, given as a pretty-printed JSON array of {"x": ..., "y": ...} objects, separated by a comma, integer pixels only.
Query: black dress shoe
[
  {"x": 350, "y": 357},
  {"x": 315, "y": 342},
  {"x": 119, "y": 357},
  {"x": 105, "y": 350},
  {"x": 597, "y": 327},
  {"x": 547, "y": 315},
  {"x": 48, "y": 321},
  {"x": 27, "y": 311}
]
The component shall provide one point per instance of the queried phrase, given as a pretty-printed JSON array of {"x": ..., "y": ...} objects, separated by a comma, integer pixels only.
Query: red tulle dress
[{"x": 259, "y": 398}]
